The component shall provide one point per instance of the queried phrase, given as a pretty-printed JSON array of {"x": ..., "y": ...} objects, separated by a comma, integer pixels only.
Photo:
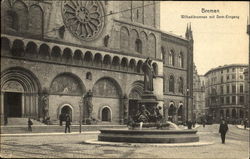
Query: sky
[{"x": 217, "y": 41}]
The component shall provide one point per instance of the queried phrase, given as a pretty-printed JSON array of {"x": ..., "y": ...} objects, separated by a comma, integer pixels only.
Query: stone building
[
  {"x": 54, "y": 52},
  {"x": 225, "y": 93},
  {"x": 198, "y": 95}
]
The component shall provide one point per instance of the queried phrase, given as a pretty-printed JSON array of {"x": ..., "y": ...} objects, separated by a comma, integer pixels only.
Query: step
[
  {"x": 15, "y": 129},
  {"x": 22, "y": 121}
]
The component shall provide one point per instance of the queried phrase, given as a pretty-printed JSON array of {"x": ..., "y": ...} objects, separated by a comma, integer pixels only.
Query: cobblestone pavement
[{"x": 71, "y": 146}]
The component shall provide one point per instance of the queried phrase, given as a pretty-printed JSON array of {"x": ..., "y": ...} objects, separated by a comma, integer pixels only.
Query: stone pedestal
[{"x": 149, "y": 100}]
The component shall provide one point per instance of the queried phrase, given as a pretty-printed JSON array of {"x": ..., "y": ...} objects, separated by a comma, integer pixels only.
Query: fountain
[{"x": 148, "y": 125}]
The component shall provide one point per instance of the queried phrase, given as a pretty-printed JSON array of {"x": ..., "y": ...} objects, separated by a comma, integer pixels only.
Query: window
[
  {"x": 241, "y": 76},
  {"x": 227, "y": 70},
  {"x": 233, "y": 99},
  {"x": 228, "y": 77},
  {"x": 171, "y": 58},
  {"x": 228, "y": 100},
  {"x": 11, "y": 20},
  {"x": 228, "y": 88},
  {"x": 181, "y": 60},
  {"x": 233, "y": 89},
  {"x": 180, "y": 89},
  {"x": 222, "y": 100},
  {"x": 241, "y": 100},
  {"x": 138, "y": 45},
  {"x": 171, "y": 84},
  {"x": 241, "y": 69},
  {"x": 233, "y": 76},
  {"x": 241, "y": 88},
  {"x": 221, "y": 79},
  {"x": 233, "y": 69},
  {"x": 221, "y": 90},
  {"x": 221, "y": 71}
]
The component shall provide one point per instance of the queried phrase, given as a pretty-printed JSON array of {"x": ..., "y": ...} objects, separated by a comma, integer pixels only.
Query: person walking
[
  {"x": 245, "y": 123},
  {"x": 29, "y": 125},
  {"x": 67, "y": 125},
  {"x": 223, "y": 130}
]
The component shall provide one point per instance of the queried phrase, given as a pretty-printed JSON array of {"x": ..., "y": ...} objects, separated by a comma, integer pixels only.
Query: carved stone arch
[
  {"x": 107, "y": 61},
  {"x": 107, "y": 87},
  {"x": 44, "y": 52},
  {"x": 116, "y": 62},
  {"x": 88, "y": 58},
  {"x": 71, "y": 113},
  {"x": 139, "y": 66},
  {"x": 5, "y": 46},
  {"x": 152, "y": 45},
  {"x": 56, "y": 53},
  {"x": 98, "y": 60},
  {"x": 67, "y": 83},
  {"x": 132, "y": 65},
  {"x": 144, "y": 39},
  {"x": 77, "y": 57},
  {"x": 124, "y": 38},
  {"x": 36, "y": 15},
  {"x": 18, "y": 48},
  {"x": 124, "y": 64},
  {"x": 67, "y": 55},
  {"x": 31, "y": 50},
  {"x": 136, "y": 90},
  {"x": 22, "y": 11},
  {"x": 105, "y": 118},
  {"x": 155, "y": 68},
  {"x": 21, "y": 86}
]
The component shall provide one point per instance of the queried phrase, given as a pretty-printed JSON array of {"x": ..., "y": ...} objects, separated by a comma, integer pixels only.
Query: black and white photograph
[{"x": 125, "y": 79}]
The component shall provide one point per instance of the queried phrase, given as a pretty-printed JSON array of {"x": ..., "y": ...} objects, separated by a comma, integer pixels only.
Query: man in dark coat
[
  {"x": 29, "y": 125},
  {"x": 67, "y": 125},
  {"x": 223, "y": 130}
]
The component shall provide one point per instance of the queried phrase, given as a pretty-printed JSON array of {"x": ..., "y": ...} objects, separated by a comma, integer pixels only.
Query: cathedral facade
[{"x": 53, "y": 53}]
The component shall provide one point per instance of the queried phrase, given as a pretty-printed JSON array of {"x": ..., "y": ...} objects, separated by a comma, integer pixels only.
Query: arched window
[
  {"x": 181, "y": 60},
  {"x": 106, "y": 114},
  {"x": 163, "y": 52},
  {"x": 171, "y": 84},
  {"x": 171, "y": 58},
  {"x": 180, "y": 89},
  {"x": 11, "y": 20},
  {"x": 138, "y": 45}
]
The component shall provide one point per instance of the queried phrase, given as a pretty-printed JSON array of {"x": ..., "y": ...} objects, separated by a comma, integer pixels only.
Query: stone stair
[{"x": 22, "y": 121}]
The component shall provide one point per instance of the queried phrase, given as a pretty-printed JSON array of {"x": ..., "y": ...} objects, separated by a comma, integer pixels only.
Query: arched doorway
[
  {"x": 134, "y": 98},
  {"x": 66, "y": 109},
  {"x": 19, "y": 93},
  {"x": 106, "y": 114}
]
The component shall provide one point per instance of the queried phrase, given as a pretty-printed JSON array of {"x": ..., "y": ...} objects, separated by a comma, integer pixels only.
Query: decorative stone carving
[
  {"x": 65, "y": 84},
  {"x": 105, "y": 88},
  {"x": 88, "y": 102},
  {"x": 84, "y": 19},
  {"x": 13, "y": 86},
  {"x": 125, "y": 107},
  {"x": 45, "y": 104},
  {"x": 106, "y": 40}
]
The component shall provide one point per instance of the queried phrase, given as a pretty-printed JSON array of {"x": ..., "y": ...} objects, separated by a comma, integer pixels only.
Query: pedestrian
[
  {"x": 223, "y": 130},
  {"x": 204, "y": 123},
  {"x": 189, "y": 124},
  {"x": 61, "y": 119},
  {"x": 67, "y": 125},
  {"x": 245, "y": 123},
  {"x": 29, "y": 125}
]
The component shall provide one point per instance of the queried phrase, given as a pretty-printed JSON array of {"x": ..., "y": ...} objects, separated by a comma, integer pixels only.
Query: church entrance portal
[{"x": 13, "y": 104}]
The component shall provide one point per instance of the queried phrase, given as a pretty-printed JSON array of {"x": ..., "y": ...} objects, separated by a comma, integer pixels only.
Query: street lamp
[
  {"x": 80, "y": 117},
  {"x": 187, "y": 104}
]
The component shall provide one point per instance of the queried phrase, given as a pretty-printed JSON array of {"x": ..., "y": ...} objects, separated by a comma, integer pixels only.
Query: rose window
[{"x": 84, "y": 19}]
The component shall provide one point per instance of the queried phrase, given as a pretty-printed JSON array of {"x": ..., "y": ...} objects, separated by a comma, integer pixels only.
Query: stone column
[{"x": 2, "y": 108}]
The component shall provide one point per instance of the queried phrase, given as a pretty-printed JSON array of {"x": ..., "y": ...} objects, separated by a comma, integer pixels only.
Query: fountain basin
[{"x": 148, "y": 136}]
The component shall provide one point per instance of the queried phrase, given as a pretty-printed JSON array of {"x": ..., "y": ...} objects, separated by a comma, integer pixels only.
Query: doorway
[
  {"x": 66, "y": 110},
  {"x": 133, "y": 108},
  {"x": 13, "y": 104}
]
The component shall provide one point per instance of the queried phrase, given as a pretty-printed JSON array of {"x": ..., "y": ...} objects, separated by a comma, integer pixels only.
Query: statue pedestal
[{"x": 149, "y": 100}]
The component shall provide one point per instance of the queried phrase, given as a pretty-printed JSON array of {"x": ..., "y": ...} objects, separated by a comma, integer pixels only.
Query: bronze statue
[{"x": 148, "y": 75}]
